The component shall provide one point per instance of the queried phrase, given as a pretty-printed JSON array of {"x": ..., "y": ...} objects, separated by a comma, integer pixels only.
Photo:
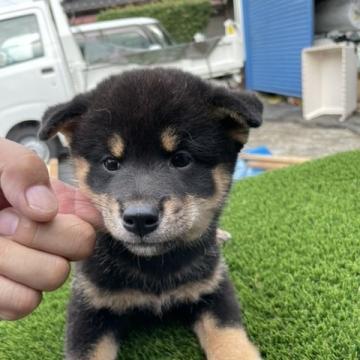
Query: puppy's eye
[
  {"x": 181, "y": 159},
  {"x": 112, "y": 164}
]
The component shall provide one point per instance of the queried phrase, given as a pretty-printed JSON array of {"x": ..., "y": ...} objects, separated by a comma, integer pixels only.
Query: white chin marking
[{"x": 145, "y": 250}]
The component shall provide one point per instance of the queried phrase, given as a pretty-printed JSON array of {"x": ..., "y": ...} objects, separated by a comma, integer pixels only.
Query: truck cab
[
  {"x": 33, "y": 72},
  {"x": 43, "y": 62}
]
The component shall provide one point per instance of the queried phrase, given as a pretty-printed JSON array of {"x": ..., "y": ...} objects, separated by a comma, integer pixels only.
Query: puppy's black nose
[{"x": 141, "y": 219}]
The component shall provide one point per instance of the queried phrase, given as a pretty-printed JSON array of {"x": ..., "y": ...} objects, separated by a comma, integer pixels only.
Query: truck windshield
[{"x": 104, "y": 45}]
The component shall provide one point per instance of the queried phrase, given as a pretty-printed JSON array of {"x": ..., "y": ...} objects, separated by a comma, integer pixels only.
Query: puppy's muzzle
[{"x": 141, "y": 219}]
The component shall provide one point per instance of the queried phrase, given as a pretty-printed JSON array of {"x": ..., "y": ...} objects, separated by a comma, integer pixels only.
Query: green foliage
[
  {"x": 181, "y": 18},
  {"x": 295, "y": 262}
]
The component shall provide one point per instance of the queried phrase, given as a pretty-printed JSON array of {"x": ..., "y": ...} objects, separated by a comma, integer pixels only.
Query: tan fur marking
[
  {"x": 82, "y": 168},
  {"x": 169, "y": 140},
  {"x": 105, "y": 349},
  {"x": 224, "y": 343},
  {"x": 172, "y": 207},
  {"x": 203, "y": 208},
  {"x": 121, "y": 301},
  {"x": 110, "y": 210},
  {"x": 108, "y": 206},
  {"x": 241, "y": 133},
  {"x": 221, "y": 111},
  {"x": 222, "y": 179},
  {"x": 116, "y": 145}
]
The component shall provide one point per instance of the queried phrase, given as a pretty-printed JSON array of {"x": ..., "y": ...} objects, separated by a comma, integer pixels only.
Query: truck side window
[
  {"x": 128, "y": 39},
  {"x": 20, "y": 40}
]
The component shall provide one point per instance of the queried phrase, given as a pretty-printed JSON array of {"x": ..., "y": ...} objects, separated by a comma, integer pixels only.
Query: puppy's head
[{"x": 155, "y": 150}]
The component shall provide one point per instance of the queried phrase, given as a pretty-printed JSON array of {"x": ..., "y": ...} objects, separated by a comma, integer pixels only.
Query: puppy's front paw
[
  {"x": 224, "y": 342},
  {"x": 222, "y": 236},
  {"x": 233, "y": 349}
]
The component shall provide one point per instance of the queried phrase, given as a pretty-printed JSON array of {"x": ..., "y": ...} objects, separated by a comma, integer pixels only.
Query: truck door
[{"x": 33, "y": 72}]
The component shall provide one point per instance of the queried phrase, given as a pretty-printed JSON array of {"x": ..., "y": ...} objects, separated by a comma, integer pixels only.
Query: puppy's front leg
[
  {"x": 219, "y": 328},
  {"x": 90, "y": 333}
]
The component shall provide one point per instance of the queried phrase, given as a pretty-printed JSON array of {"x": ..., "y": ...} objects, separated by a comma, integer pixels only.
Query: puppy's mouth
[
  {"x": 148, "y": 248},
  {"x": 144, "y": 243}
]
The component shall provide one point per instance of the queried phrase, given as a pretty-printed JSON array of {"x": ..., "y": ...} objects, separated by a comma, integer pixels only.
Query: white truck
[{"x": 44, "y": 61}]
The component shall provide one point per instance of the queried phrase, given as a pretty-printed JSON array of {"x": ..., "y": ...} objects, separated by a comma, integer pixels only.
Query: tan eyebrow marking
[
  {"x": 169, "y": 139},
  {"x": 116, "y": 145}
]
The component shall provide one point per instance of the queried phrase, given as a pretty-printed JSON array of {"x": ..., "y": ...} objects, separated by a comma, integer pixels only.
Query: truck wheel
[{"x": 27, "y": 135}]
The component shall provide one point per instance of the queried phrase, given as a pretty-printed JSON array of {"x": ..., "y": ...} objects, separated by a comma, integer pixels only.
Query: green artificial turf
[{"x": 294, "y": 259}]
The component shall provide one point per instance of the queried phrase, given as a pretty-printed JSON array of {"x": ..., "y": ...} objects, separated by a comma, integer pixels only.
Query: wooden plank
[
  {"x": 53, "y": 167},
  {"x": 274, "y": 159},
  {"x": 267, "y": 165}
]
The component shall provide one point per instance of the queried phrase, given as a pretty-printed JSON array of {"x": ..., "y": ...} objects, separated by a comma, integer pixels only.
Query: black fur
[
  {"x": 139, "y": 106},
  {"x": 193, "y": 263}
]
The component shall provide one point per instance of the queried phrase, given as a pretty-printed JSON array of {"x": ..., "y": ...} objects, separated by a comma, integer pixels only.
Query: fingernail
[
  {"x": 8, "y": 222},
  {"x": 41, "y": 198}
]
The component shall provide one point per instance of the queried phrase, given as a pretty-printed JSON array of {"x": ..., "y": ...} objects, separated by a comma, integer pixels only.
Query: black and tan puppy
[{"x": 155, "y": 150}]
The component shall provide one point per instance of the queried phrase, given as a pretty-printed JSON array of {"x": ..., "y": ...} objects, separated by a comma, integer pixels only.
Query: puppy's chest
[{"x": 148, "y": 295}]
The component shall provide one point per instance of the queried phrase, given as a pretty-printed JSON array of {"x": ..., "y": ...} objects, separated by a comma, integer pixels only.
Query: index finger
[
  {"x": 73, "y": 201},
  {"x": 24, "y": 182}
]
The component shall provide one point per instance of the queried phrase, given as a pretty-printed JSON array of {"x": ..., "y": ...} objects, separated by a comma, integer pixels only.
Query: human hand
[{"x": 43, "y": 226}]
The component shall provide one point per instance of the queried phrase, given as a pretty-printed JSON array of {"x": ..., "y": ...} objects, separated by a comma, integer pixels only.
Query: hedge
[{"x": 181, "y": 18}]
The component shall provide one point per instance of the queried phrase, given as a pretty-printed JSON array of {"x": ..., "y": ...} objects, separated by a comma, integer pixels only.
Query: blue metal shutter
[{"x": 275, "y": 33}]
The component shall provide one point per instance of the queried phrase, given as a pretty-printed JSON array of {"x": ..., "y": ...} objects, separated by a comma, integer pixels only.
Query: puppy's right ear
[{"x": 63, "y": 118}]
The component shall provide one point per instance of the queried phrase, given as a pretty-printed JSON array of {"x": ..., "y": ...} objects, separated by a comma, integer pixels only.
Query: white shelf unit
[{"x": 329, "y": 81}]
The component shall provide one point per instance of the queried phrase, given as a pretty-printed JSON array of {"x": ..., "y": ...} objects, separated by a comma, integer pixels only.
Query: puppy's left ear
[{"x": 240, "y": 109}]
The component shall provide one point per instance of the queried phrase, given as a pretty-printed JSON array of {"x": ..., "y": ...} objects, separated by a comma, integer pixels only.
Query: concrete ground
[{"x": 285, "y": 132}]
